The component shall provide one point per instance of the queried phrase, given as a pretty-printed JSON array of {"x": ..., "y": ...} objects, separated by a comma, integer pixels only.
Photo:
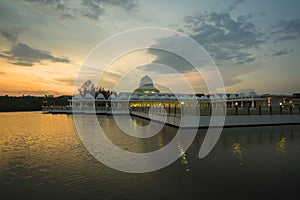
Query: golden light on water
[
  {"x": 237, "y": 150},
  {"x": 281, "y": 145}
]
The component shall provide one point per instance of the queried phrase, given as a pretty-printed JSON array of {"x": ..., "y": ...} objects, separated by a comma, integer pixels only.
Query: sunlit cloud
[{"x": 24, "y": 55}]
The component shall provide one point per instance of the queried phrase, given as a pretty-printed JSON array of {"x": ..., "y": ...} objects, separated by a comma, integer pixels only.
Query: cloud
[
  {"x": 282, "y": 52},
  {"x": 23, "y": 55},
  {"x": 166, "y": 58},
  {"x": 235, "y": 4},
  {"x": 25, "y": 64},
  {"x": 66, "y": 80},
  {"x": 126, "y": 4},
  {"x": 8, "y": 35},
  {"x": 11, "y": 34},
  {"x": 91, "y": 9},
  {"x": 231, "y": 43},
  {"x": 224, "y": 38},
  {"x": 286, "y": 30}
]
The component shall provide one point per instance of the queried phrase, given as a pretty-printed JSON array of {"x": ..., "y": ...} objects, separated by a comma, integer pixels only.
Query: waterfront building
[{"x": 146, "y": 96}]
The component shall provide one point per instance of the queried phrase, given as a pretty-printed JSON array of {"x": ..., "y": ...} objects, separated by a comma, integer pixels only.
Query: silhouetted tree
[{"x": 87, "y": 87}]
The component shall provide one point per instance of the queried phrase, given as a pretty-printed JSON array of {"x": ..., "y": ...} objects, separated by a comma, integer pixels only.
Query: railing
[
  {"x": 189, "y": 110},
  {"x": 186, "y": 110}
]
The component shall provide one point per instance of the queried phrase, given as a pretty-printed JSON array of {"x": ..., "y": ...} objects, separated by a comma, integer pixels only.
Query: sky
[{"x": 44, "y": 43}]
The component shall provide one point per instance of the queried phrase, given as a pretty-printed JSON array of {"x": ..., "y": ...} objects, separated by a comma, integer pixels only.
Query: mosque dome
[
  {"x": 134, "y": 97},
  {"x": 77, "y": 97},
  {"x": 100, "y": 96},
  {"x": 146, "y": 86},
  {"x": 123, "y": 97},
  {"x": 112, "y": 97},
  {"x": 88, "y": 96},
  {"x": 146, "y": 80}
]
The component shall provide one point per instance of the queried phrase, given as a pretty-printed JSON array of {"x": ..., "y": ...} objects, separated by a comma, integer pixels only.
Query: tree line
[
  {"x": 35, "y": 103},
  {"x": 30, "y": 103}
]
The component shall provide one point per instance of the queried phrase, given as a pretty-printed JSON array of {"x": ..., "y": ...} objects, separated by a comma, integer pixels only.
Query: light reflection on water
[
  {"x": 281, "y": 145},
  {"x": 237, "y": 150},
  {"x": 42, "y": 157}
]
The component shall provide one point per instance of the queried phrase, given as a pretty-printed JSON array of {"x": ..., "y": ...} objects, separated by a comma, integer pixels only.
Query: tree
[{"x": 87, "y": 87}]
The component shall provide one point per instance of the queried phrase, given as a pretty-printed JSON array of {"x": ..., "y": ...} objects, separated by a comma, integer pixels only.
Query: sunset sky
[{"x": 43, "y": 43}]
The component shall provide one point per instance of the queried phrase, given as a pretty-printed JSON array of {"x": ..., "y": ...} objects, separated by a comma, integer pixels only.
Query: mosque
[
  {"x": 146, "y": 86},
  {"x": 147, "y": 95}
]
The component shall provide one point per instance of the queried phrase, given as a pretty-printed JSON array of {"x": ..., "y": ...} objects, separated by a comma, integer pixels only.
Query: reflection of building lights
[
  {"x": 183, "y": 157},
  {"x": 281, "y": 145},
  {"x": 237, "y": 150},
  {"x": 236, "y": 103}
]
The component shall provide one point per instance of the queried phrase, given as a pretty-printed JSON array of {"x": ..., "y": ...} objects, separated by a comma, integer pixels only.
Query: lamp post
[
  {"x": 280, "y": 107},
  {"x": 182, "y": 104},
  {"x": 236, "y": 107}
]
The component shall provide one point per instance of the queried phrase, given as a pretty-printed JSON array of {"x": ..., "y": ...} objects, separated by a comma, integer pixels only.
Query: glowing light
[{"x": 281, "y": 145}]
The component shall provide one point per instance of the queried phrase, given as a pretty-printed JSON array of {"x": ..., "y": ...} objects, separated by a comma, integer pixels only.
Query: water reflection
[
  {"x": 281, "y": 145},
  {"x": 237, "y": 150},
  {"x": 183, "y": 158},
  {"x": 41, "y": 156}
]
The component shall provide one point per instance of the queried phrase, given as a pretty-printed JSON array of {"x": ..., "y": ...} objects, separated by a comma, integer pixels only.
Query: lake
[{"x": 42, "y": 157}]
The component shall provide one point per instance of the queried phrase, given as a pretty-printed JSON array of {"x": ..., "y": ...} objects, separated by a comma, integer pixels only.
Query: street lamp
[
  {"x": 236, "y": 107},
  {"x": 182, "y": 103},
  {"x": 280, "y": 108}
]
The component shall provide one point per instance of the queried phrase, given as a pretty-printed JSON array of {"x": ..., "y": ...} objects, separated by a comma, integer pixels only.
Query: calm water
[{"x": 41, "y": 157}]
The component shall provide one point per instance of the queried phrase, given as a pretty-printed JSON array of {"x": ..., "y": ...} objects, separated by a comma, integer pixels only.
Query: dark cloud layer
[
  {"x": 10, "y": 36},
  {"x": 91, "y": 9},
  {"x": 224, "y": 38},
  {"x": 282, "y": 52},
  {"x": 24, "y": 55},
  {"x": 286, "y": 30},
  {"x": 169, "y": 59},
  {"x": 230, "y": 42}
]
